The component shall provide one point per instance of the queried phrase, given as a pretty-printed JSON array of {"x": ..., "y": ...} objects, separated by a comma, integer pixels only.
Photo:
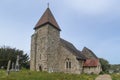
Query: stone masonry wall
[
  {"x": 95, "y": 70},
  {"x": 53, "y": 49},
  {"x": 44, "y": 49},
  {"x": 32, "y": 55},
  {"x": 41, "y": 55},
  {"x": 76, "y": 66}
]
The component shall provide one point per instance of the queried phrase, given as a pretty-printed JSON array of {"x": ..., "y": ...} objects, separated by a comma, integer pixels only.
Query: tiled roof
[
  {"x": 73, "y": 50},
  {"x": 91, "y": 63},
  {"x": 47, "y": 18}
]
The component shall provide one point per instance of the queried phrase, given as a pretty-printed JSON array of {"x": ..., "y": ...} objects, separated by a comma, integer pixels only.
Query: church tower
[{"x": 45, "y": 44}]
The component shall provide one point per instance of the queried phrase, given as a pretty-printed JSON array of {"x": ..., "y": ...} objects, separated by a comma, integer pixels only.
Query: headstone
[
  {"x": 13, "y": 67},
  {"x": 2, "y": 67},
  {"x": 50, "y": 70},
  {"x": 8, "y": 67},
  {"x": 17, "y": 64}
]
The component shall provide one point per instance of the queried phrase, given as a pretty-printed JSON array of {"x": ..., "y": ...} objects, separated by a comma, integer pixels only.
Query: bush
[{"x": 102, "y": 72}]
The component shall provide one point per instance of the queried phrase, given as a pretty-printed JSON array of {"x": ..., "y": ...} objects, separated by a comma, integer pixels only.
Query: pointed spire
[{"x": 47, "y": 18}]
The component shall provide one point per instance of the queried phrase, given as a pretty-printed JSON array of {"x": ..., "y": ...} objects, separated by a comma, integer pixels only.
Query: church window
[
  {"x": 40, "y": 56},
  {"x": 68, "y": 64}
]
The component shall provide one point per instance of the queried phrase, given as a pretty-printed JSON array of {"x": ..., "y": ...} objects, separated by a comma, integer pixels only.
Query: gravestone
[
  {"x": 17, "y": 63},
  {"x": 8, "y": 67},
  {"x": 13, "y": 67},
  {"x": 50, "y": 70},
  {"x": 2, "y": 67}
]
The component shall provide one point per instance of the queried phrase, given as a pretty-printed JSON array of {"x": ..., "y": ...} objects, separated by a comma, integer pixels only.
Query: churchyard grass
[
  {"x": 2, "y": 74},
  {"x": 32, "y": 75},
  {"x": 115, "y": 76}
]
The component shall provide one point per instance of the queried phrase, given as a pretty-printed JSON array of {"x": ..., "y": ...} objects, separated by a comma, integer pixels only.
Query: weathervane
[{"x": 48, "y": 4}]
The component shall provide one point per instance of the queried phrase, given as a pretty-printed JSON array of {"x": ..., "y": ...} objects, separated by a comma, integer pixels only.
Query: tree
[
  {"x": 104, "y": 64},
  {"x": 8, "y": 53}
]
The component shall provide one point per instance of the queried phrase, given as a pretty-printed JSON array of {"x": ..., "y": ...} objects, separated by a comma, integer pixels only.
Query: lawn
[
  {"x": 115, "y": 76},
  {"x": 32, "y": 75}
]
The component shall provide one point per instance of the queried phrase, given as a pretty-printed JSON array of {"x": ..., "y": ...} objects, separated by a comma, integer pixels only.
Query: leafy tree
[
  {"x": 115, "y": 68},
  {"x": 8, "y": 53},
  {"x": 104, "y": 64}
]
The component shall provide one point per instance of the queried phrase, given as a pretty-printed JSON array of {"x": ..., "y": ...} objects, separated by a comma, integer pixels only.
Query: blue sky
[{"x": 91, "y": 23}]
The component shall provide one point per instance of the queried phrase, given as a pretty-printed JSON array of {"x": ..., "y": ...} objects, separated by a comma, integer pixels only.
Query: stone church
[{"x": 51, "y": 53}]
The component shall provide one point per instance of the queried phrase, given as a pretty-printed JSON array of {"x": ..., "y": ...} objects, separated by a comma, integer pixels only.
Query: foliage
[
  {"x": 8, "y": 53},
  {"x": 32, "y": 75},
  {"x": 115, "y": 68},
  {"x": 102, "y": 72},
  {"x": 104, "y": 64}
]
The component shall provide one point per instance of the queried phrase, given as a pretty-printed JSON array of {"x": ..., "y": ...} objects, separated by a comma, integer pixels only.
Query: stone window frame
[{"x": 68, "y": 63}]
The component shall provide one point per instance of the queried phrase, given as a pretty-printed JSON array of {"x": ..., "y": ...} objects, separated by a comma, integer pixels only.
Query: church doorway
[{"x": 40, "y": 68}]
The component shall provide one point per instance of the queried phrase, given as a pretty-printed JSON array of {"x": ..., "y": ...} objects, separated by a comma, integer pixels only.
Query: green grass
[
  {"x": 32, "y": 75},
  {"x": 115, "y": 76}
]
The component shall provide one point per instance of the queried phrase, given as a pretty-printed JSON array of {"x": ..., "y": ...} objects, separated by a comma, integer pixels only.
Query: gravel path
[{"x": 104, "y": 77}]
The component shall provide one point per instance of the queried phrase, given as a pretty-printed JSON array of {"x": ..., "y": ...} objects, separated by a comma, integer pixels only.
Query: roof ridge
[
  {"x": 85, "y": 48},
  {"x": 72, "y": 48}
]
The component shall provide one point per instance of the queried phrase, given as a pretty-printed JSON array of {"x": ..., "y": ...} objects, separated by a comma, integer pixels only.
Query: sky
[{"x": 94, "y": 24}]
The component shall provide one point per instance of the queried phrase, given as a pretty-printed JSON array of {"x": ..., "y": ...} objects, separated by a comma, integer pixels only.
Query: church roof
[
  {"x": 88, "y": 53},
  {"x": 72, "y": 48},
  {"x": 47, "y": 18},
  {"x": 91, "y": 63}
]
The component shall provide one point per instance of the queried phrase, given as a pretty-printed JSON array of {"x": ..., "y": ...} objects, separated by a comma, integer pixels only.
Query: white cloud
[{"x": 92, "y": 7}]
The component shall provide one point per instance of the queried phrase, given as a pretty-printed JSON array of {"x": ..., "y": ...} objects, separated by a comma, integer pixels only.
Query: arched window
[
  {"x": 40, "y": 56},
  {"x": 68, "y": 63}
]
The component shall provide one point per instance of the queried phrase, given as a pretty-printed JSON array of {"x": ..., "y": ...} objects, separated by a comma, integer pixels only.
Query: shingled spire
[{"x": 47, "y": 18}]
